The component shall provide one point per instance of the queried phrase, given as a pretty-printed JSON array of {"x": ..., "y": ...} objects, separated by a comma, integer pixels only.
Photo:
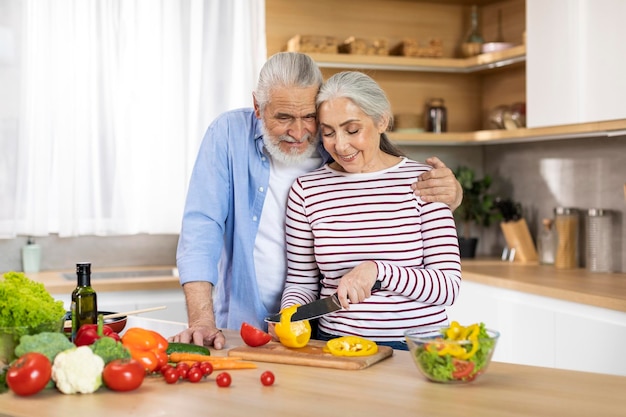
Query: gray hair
[
  {"x": 286, "y": 69},
  {"x": 363, "y": 91}
]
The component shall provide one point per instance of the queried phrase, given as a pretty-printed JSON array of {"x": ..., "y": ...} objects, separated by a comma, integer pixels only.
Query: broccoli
[
  {"x": 109, "y": 349},
  {"x": 47, "y": 343}
]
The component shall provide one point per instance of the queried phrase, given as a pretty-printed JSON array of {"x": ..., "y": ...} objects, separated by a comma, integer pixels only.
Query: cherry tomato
[
  {"x": 223, "y": 380},
  {"x": 462, "y": 368},
  {"x": 207, "y": 368},
  {"x": 195, "y": 374},
  {"x": 182, "y": 369},
  {"x": 165, "y": 368},
  {"x": 252, "y": 336},
  {"x": 171, "y": 375},
  {"x": 267, "y": 378},
  {"x": 29, "y": 374},
  {"x": 123, "y": 374}
]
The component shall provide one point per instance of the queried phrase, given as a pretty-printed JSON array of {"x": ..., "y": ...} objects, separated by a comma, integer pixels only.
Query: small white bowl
[{"x": 495, "y": 46}]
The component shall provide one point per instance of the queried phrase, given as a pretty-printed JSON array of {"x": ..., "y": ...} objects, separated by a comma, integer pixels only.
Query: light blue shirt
[{"x": 221, "y": 217}]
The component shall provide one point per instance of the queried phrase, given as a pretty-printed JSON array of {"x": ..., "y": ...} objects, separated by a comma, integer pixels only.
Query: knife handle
[{"x": 376, "y": 286}]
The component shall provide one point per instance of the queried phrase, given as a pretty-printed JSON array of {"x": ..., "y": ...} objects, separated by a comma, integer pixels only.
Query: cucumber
[{"x": 187, "y": 348}]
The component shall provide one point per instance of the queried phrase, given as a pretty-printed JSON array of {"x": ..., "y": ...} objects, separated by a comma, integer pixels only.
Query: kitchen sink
[{"x": 127, "y": 274}]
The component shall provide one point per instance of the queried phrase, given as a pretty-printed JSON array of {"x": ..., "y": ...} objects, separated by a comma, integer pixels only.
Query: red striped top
[{"x": 337, "y": 220}]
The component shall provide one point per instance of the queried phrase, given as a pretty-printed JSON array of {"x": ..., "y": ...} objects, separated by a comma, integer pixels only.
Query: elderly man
[{"x": 232, "y": 236}]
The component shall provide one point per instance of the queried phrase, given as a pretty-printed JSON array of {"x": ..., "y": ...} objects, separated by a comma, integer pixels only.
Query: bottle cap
[{"x": 83, "y": 268}]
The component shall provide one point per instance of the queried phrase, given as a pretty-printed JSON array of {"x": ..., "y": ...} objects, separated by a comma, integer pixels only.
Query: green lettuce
[{"x": 26, "y": 303}]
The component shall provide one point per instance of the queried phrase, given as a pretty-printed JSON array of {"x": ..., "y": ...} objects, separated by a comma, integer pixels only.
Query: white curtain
[{"x": 116, "y": 97}]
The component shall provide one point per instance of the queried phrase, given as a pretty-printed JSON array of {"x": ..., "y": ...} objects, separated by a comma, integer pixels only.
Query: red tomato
[
  {"x": 195, "y": 374},
  {"x": 29, "y": 374},
  {"x": 267, "y": 378},
  {"x": 182, "y": 369},
  {"x": 123, "y": 374},
  {"x": 223, "y": 380},
  {"x": 252, "y": 336},
  {"x": 207, "y": 368},
  {"x": 462, "y": 369},
  {"x": 165, "y": 368},
  {"x": 171, "y": 375}
]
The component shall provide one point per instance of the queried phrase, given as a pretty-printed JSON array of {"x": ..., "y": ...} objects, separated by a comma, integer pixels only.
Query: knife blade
[{"x": 315, "y": 309}]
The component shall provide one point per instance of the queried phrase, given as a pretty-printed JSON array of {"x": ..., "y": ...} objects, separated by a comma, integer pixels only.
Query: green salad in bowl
[
  {"x": 26, "y": 308},
  {"x": 452, "y": 354}
]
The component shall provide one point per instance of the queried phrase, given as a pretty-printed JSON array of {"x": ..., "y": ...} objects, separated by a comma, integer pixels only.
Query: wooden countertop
[
  {"x": 392, "y": 387},
  {"x": 164, "y": 277},
  {"x": 577, "y": 285}
]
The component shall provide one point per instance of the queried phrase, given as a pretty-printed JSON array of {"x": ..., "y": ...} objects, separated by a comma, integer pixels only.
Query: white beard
[{"x": 291, "y": 158}]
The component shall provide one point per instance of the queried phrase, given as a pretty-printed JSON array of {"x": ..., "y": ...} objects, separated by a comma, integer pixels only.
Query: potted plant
[{"x": 477, "y": 208}]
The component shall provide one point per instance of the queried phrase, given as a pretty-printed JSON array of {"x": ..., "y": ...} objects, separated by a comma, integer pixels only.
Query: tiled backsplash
[
  {"x": 581, "y": 173},
  {"x": 63, "y": 253}
]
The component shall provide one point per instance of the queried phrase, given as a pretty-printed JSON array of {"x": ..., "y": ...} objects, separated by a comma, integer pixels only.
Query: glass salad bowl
[{"x": 452, "y": 354}]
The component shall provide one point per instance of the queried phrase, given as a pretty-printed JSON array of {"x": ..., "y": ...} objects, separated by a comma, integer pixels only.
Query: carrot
[
  {"x": 196, "y": 357},
  {"x": 218, "y": 362},
  {"x": 226, "y": 364}
]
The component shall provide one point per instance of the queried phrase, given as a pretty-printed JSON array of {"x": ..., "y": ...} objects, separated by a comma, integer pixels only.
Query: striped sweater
[{"x": 337, "y": 220}]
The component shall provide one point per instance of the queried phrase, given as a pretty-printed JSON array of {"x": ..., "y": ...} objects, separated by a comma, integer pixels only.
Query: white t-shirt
[{"x": 270, "y": 261}]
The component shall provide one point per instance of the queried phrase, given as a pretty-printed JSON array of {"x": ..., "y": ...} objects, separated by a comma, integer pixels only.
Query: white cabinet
[
  {"x": 543, "y": 331},
  {"x": 118, "y": 301},
  {"x": 575, "y": 61}
]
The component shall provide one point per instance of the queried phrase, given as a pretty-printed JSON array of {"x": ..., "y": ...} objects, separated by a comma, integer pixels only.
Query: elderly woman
[{"x": 356, "y": 221}]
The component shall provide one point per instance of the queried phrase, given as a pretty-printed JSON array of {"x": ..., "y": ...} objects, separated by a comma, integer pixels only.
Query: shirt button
[
  {"x": 263, "y": 158},
  {"x": 261, "y": 189},
  {"x": 254, "y": 218}
]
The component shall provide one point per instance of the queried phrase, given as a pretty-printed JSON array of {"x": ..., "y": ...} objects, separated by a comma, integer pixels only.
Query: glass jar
[
  {"x": 598, "y": 250},
  {"x": 546, "y": 243},
  {"x": 566, "y": 226},
  {"x": 436, "y": 116}
]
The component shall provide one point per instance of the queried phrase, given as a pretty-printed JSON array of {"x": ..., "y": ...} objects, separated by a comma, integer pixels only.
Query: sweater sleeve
[
  {"x": 438, "y": 280},
  {"x": 302, "y": 283}
]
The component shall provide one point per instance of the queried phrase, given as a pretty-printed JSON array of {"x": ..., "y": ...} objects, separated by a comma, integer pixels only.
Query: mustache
[{"x": 291, "y": 139}]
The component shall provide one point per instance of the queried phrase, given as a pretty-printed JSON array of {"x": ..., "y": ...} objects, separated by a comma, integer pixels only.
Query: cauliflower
[{"x": 77, "y": 370}]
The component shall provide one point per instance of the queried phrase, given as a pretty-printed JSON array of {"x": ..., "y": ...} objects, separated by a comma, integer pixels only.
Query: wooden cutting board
[{"x": 310, "y": 355}]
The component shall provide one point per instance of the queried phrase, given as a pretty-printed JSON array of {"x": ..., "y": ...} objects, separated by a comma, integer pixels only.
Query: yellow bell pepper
[
  {"x": 351, "y": 346},
  {"x": 471, "y": 333},
  {"x": 457, "y": 333},
  {"x": 292, "y": 334}
]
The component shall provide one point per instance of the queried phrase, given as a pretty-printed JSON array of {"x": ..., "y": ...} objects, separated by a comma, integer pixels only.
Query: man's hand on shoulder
[{"x": 439, "y": 185}]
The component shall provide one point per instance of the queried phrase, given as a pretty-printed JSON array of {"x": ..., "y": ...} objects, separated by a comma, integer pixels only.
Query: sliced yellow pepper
[
  {"x": 292, "y": 334},
  {"x": 457, "y": 333},
  {"x": 351, "y": 346}
]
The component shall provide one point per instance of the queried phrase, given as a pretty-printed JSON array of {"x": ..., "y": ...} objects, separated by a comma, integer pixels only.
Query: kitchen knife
[{"x": 316, "y": 308}]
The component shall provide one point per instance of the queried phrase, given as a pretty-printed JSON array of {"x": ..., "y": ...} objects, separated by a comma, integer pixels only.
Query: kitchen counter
[
  {"x": 392, "y": 387},
  {"x": 575, "y": 285},
  {"x": 119, "y": 279}
]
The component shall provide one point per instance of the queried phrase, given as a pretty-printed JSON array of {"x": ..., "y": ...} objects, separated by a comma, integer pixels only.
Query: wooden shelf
[
  {"x": 611, "y": 128},
  {"x": 484, "y": 62}
]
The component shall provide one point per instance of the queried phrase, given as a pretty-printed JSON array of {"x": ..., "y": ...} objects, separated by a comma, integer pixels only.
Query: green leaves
[{"x": 478, "y": 204}]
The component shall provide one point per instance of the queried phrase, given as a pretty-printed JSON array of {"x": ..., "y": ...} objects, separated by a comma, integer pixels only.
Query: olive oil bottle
[{"x": 84, "y": 308}]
